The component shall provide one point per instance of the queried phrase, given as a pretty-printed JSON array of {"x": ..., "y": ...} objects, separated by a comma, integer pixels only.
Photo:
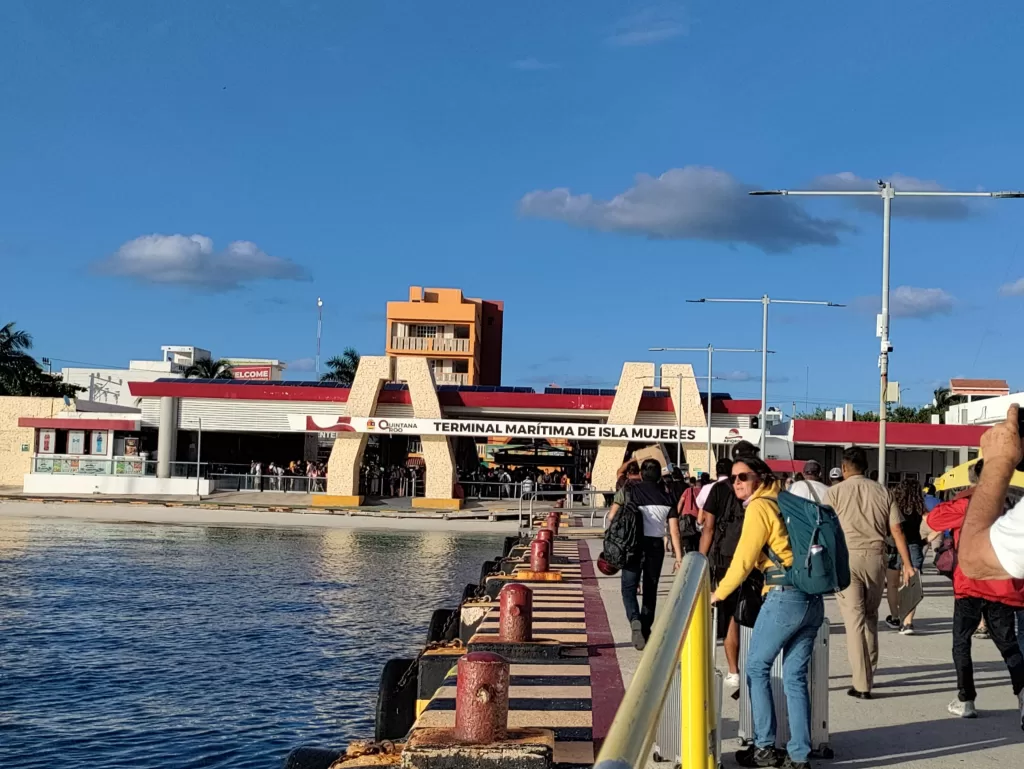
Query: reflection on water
[{"x": 177, "y": 646}]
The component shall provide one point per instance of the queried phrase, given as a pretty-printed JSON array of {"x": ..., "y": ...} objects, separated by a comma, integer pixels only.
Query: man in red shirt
[{"x": 997, "y": 601}]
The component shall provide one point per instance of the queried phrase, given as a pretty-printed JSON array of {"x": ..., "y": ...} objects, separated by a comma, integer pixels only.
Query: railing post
[{"x": 697, "y": 691}]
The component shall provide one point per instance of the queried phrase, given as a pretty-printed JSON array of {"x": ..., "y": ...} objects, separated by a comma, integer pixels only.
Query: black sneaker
[
  {"x": 639, "y": 642},
  {"x": 892, "y": 622},
  {"x": 758, "y": 757},
  {"x": 789, "y": 763}
]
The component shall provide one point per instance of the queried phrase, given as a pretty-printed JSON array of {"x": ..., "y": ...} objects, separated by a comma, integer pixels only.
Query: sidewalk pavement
[{"x": 906, "y": 724}]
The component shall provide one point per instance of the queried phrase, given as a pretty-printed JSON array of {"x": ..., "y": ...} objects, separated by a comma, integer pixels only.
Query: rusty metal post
[
  {"x": 546, "y": 535},
  {"x": 540, "y": 555},
  {"x": 515, "y": 621},
  {"x": 554, "y": 520},
  {"x": 481, "y": 699}
]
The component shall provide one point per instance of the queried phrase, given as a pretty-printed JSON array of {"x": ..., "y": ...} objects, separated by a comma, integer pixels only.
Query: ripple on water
[{"x": 178, "y": 646}]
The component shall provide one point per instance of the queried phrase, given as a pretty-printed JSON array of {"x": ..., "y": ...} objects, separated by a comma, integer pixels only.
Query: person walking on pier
[
  {"x": 867, "y": 514},
  {"x": 909, "y": 498},
  {"x": 997, "y": 601},
  {"x": 648, "y": 499},
  {"x": 788, "y": 621}
]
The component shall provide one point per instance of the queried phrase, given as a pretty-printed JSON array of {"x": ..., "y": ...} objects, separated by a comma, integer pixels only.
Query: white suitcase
[
  {"x": 818, "y": 682},
  {"x": 668, "y": 739}
]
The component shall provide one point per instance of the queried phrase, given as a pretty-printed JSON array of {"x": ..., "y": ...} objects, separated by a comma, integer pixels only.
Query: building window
[
  {"x": 462, "y": 332},
  {"x": 427, "y": 332},
  {"x": 460, "y": 366}
]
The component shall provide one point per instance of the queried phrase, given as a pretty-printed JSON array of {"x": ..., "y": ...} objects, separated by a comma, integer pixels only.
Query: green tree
[
  {"x": 20, "y": 374},
  {"x": 209, "y": 369},
  {"x": 342, "y": 367}
]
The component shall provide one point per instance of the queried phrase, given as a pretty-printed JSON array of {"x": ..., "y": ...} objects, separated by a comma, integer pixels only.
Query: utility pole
[
  {"x": 764, "y": 301},
  {"x": 886, "y": 191}
]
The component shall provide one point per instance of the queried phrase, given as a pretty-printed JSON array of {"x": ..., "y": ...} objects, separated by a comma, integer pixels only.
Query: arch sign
[{"x": 503, "y": 428}]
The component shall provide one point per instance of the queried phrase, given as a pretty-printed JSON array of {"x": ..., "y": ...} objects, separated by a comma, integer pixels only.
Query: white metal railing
[
  {"x": 61, "y": 465},
  {"x": 429, "y": 344},
  {"x": 445, "y": 377}
]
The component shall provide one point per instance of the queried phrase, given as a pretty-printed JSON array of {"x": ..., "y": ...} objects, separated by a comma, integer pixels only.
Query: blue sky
[{"x": 350, "y": 149}]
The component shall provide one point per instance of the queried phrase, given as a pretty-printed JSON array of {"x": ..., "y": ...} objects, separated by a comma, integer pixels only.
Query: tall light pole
[
  {"x": 319, "y": 327},
  {"x": 711, "y": 350},
  {"x": 764, "y": 301},
  {"x": 886, "y": 191}
]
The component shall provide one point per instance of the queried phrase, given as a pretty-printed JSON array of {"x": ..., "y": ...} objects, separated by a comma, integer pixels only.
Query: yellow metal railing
[{"x": 681, "y": 636}]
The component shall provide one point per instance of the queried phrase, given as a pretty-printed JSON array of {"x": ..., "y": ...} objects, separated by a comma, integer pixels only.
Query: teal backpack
[{"x": 821, "y": 560}]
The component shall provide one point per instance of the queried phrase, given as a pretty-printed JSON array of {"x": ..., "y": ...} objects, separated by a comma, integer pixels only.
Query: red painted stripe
[
  {"x": 606, "y": 684},
  {"x": 275, "y": 392},
  {"x": 897, "y": 433},
  {"x": 79, "y": 424}
]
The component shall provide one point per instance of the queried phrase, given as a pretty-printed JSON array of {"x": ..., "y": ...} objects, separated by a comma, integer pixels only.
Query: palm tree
[
  {"x": 342, "y": 368},
  {"x": 16, "y": 365},
  {"x": 20, "y": 374},
  {"x": 208, "y": 368},
  {"x": 944, "y": 400}
]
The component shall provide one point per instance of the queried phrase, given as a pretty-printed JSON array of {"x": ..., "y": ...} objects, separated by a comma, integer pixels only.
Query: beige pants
[{"x": 859, "y": 605}]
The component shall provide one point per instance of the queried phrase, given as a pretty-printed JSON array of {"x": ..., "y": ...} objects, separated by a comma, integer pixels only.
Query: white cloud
[
  {"x": 1013, "y": 289},
  {"x": 912, "y": 207},
  {"x": 747, "y": 376},
  {"x": 302, "y": 364},
  {"x": 650, "y": 26},
  {"x": 911, "y": 302},
  {"x": 690, "y": 203},
  {"x": 531, "y": 64},
  {"x": 190, "y": 260}
]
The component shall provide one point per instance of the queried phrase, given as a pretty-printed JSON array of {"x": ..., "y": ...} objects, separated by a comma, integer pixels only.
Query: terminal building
[{"x": 396, "y": 408}]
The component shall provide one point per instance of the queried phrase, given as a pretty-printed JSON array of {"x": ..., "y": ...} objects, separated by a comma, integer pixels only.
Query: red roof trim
[
  {"x": 186, "y": 389},
  {"x": 79, "y": 424},
  {"x": 897, "y": 433}
]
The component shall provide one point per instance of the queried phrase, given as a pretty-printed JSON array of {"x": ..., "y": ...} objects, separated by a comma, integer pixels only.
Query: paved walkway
[{"x": 906, "y": 725}]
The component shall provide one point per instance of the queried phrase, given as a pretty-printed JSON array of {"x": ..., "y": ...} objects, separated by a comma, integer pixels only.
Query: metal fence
[{"x": 299, "y": 484}]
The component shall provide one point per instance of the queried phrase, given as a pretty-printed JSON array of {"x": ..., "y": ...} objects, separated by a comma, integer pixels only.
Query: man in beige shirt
[{"x": 868, "y": 514}]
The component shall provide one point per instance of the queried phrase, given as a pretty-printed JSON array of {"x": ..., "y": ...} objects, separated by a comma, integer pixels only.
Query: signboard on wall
[
  {"x": 258, "y": 373},
  {"x": 98, "y": 442},
  {"x": 76, "y": 442},
  {"x": 502, "y": 428},
  {"x": 47, "y": 441}
]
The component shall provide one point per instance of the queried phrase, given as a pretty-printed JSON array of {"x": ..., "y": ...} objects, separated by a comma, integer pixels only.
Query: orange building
[{"x": 459, "y": 336}]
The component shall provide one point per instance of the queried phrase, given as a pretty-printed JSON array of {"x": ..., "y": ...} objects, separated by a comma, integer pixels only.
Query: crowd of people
[
  {"x": 735, "y": 521},
  {"x": 297, "y": 475}
]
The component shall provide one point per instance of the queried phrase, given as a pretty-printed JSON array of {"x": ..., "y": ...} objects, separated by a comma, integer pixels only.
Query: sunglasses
[{"x": 744, "y": 477}]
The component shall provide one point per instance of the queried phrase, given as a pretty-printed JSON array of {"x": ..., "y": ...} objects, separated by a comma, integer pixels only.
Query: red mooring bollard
[
  {"x": 554, "y": 520},
  {"x": 481, "y": 699},
  {"x": 515, "y": 621},
  {"x": 545, "y": 535},
  {"x": 540, "y": 555}
]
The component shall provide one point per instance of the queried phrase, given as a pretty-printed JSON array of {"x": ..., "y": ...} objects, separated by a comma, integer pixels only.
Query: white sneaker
[
  {"x": 732, "y": 680},
  {"x": 963, "y": 709}
]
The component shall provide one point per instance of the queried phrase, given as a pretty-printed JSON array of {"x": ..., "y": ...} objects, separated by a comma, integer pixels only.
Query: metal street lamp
[
  {"x": 764, "y": 301},
  {"x": 886, "y": 191},
  {"x": 679, "y": 411},
  {"x": 711, "y": 350},
  {"x": 319, "y": 326}
]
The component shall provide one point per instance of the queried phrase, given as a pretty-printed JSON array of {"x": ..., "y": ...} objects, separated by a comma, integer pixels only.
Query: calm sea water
[{"x": 179, "y": 646}]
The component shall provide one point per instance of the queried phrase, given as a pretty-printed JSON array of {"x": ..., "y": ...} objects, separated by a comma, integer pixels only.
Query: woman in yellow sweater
[{"x": 788, "y": 622}]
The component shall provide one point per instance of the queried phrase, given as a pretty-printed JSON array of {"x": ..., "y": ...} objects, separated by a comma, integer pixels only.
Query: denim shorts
[{"x": 916, "y": 557}]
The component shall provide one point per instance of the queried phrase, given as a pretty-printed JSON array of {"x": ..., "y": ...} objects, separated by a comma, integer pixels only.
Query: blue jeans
[
  {"x": 1020, "y": 629},
  {"x": 788, "y": 623}
]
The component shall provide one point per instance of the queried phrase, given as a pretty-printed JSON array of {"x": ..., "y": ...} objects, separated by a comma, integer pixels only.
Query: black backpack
[
  {"x": 622, "y": 538},
  {"x": 728, "y": 527}
]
